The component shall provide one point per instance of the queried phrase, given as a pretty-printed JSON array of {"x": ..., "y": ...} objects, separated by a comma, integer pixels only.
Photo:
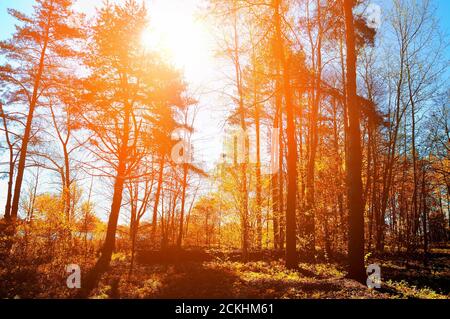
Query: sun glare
[{"x": 181, "y": 37}]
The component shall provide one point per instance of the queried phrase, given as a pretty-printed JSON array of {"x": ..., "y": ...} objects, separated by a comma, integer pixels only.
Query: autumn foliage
[{"x": 335, "y": 154}]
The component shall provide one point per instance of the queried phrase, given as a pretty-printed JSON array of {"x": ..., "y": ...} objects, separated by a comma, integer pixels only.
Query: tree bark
[
  {"x": 157, "y": 196},
  {"x": 354, "y": 159},
  {"x": 243, "y": 166},
  {"x": 183, "y": 200},
  {"x": 291, "y": 247},
  {"x": 28, "y": 126}
]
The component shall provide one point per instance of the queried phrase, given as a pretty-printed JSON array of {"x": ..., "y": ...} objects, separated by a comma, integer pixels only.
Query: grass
[
  {"x": 232, "y": 279},
  {"x": 224, "y": 276},
  {"x": 219, "y": 274}
]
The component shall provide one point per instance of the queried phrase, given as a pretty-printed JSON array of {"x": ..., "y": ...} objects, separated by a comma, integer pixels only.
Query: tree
[
  {"x": 139, "y": 195},
  {"x": 11, "y": 139},
  {"x": 291, "y": 246},
  {"x": 128, "y": 90},
  {"x": 47, "y": 32},
  {"x": 62, "y": 127},
  {"x": 354, "y": 158}
]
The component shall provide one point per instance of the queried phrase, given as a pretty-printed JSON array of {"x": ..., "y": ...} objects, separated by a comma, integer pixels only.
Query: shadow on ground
[
  {"x": 183, "y": 274},
  {"x": 194, "y": 280}
]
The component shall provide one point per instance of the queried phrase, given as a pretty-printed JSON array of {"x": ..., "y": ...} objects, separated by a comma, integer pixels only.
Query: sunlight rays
[{"x": 180, "y": 36}]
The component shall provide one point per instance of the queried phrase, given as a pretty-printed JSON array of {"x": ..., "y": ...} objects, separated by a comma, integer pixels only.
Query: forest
[{"x": 280, "y": 149}]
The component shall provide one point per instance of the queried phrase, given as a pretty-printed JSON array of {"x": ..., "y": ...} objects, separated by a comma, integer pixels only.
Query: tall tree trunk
[
  {"x": 183, "y": 200},
  {"x": 339, "y": 174},
  {"x": 374, "y": 199},
  {"x": 343, "y": 220},
  {"x": 354, "y": 159},
  {"x": 157, "y": 197},
  {"x": 241, "y": 110},
  {"x": 10, "y": 184},
  {"x": 258, "y": 177},
  {"x": 102, "y": 263},
  {"x": 313, "y": 142},
  {"x": 66, "y": 186},
  {"x": 257, "y": 118},
  {"x": 28, "y": 126},
  {"x": 389, "y": 166},
  {"x": 281, "y": 209},
  {"x": 291, "y": 247},
  {"x": 108, "y": 247},
  {"x": 275, "y": 178},
  {"x": 424, "y": 217},
  {"x": 7, "y": 213},
  {"x": 133, "y": 225}
]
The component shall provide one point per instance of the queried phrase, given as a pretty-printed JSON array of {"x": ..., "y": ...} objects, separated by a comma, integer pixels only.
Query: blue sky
[
  {"x": 444, "y": 11},
  {"x": 7, "y": 23}
]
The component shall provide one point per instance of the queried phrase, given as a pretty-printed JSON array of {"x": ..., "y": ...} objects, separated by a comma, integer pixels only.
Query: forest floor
[{"x": 222, "y": 275}]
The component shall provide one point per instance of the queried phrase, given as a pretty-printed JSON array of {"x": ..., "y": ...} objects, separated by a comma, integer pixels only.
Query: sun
[{"x": 181, "y": 37}]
